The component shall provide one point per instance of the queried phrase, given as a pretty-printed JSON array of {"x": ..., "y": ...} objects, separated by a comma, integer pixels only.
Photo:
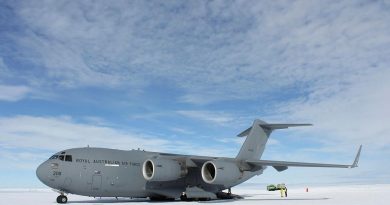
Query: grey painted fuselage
[{"x": 101, "y": 172}]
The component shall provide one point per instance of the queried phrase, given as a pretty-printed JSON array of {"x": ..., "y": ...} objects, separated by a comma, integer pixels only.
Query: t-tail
[{"x": 257, "y": 137}]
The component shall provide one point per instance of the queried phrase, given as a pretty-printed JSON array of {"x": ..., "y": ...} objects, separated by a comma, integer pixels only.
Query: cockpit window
[
  {"x": 68, "y": 158},
  {"x": 61, "y": 157},
  {"x": 54, "y": 157}
]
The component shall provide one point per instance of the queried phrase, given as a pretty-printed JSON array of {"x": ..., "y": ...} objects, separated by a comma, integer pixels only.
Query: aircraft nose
[{"x": 42, "y": 172}]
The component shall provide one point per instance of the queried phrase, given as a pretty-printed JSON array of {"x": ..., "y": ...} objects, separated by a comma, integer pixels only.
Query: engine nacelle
[
  {"x": 163, "y": 170},
  {"x": 220, "y": 172}
]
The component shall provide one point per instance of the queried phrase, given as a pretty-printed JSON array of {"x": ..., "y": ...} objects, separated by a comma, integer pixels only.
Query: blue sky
[{"x": 188, "y": 76}]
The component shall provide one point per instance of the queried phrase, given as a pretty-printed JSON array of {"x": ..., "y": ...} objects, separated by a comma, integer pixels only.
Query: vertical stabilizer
[
  {"x": 257, "y": 137},
  {"x": 255, "y": 141}
]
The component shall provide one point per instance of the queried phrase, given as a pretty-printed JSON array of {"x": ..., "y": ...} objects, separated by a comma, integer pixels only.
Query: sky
[{"x": 188, "y": 76}]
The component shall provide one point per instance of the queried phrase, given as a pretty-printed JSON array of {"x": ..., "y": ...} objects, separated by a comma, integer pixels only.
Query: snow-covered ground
[{"x": 351, "y": 194}]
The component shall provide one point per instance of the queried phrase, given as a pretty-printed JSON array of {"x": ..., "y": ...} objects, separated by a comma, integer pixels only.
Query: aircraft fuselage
[{"x": 101, "y": 172}]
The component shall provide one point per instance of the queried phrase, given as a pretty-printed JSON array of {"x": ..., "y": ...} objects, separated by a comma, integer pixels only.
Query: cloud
[
  {"x": 295, "y": 52},
  {"x": 37, "y": 137},
  {"x": 201, "y": 98},
  {"x": 31, "y": 139},
  {"x": 211, "y": 51},
  {"x": 10, "y": 93},
  {"x": 3, "y": 67},
  {"x": 182, "y": 131},
  {"x": 219, "y": 118},
  {"x": 356, "y": 114},
  {"x": 13, "y": 93},
  {"x": 56, "y": 133}
]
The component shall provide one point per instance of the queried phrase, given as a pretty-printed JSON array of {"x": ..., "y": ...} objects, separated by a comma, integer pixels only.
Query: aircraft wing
[
  {"x": 283, "y": 165},
  {"x": 191, "y": 160}
]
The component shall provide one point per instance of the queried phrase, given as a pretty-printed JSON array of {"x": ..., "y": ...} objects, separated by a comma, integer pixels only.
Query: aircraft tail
[{"x": 257, "y": 137}]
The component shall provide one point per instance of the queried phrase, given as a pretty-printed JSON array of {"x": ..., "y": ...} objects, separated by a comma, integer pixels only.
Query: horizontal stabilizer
[
  {"x": 283, "y": 126},
  {"x": 271, "y": 127}
]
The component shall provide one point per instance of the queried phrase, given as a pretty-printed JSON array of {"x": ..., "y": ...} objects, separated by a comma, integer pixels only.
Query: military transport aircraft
[{"x": 100, "y": 172}]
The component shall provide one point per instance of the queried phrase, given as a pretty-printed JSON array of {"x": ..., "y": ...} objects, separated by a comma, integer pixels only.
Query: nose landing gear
[{"x": 62, "y": 199}]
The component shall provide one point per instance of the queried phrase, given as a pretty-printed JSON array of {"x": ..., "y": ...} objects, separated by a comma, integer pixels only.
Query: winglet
[{"x": 355, "y": 163}]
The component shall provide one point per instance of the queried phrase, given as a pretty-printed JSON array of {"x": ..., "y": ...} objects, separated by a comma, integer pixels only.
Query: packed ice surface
[{"x": 347, "y": 194}]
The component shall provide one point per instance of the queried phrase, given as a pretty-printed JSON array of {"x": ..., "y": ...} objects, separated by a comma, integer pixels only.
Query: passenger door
[{"x": 96, "y": 182}]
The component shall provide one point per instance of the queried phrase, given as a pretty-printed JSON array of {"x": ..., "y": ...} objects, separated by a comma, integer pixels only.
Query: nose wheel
[{"x": 61, "y": 199}]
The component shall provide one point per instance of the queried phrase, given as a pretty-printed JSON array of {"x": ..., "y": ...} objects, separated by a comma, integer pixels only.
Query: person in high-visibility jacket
[
  {"x": 281, "y": 192},
  {"x": 285, "y": 191}
]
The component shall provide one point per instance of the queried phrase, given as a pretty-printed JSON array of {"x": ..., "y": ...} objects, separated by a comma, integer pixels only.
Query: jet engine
[
  {"x": 220, "y": 172},
  {"x": 163, "y": 170}
]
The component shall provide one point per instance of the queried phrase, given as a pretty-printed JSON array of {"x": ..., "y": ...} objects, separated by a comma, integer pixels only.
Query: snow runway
[{"x": 351, "y": 194}]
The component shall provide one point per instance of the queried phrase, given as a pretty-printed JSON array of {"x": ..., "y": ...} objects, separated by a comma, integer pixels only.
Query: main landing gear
[
  {"x": 62, "y": 199},
  {"x": 228, "y": 195}
]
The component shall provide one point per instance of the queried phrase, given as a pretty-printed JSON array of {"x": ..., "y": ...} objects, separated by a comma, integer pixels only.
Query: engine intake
[
  {"x": 163, "y": 170},
  {"x": 220, "y": 172}
]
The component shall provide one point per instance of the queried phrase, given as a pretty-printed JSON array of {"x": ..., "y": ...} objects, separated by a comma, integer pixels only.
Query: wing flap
[{"x": 293, "y": 164}]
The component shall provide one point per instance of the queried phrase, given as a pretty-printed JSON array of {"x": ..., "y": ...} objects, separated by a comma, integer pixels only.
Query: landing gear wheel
[
  {"x": 61, "y": 199},
  {"x": 184, "y": 198}
]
